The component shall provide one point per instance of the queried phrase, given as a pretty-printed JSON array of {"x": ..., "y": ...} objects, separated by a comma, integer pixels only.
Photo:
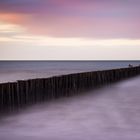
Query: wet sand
[{"x": 109, "y": 113}]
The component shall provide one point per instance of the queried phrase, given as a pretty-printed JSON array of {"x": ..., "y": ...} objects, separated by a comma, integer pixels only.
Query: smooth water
[
  {"x": 109, "y": 113},
  {"x": 20, "y": 70}
]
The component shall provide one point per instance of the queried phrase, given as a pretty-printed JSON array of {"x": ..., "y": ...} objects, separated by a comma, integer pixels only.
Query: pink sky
[
  {"x": 93, "y": 20},
  {"x": 82, "y": 18}
]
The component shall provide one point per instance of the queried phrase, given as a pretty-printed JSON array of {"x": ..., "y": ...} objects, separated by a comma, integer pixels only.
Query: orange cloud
[{"x": 12, "y": 17}]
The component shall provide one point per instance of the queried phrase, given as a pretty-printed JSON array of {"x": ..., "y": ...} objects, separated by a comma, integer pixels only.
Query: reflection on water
[{"x": 111, "y": 113}]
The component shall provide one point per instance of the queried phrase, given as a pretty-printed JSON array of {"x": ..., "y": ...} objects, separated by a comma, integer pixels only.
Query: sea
[
  {"x": 22, "y": 70},
  {"x": 108, "y": 113}
]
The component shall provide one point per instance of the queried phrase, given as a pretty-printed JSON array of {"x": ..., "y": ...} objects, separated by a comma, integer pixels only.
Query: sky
[{"x": 69, "y": 30}]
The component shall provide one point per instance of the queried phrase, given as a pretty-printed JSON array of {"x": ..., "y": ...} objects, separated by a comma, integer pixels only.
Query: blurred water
[
  {"x": 110, "y": 113},
  {"x": 19, "y": 70}
]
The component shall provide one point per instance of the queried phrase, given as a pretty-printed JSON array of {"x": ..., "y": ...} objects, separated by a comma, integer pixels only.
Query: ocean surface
[
  {"x": 20, "y": 70},
  {"x": 108, "y": 113}
]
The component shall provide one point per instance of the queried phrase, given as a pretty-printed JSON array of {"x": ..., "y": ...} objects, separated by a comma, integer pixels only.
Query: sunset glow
[{"x": 66, "y": 25}]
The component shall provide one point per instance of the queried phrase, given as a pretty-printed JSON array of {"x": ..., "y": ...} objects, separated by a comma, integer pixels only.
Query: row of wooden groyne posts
[{"x": 24, "y": 92}]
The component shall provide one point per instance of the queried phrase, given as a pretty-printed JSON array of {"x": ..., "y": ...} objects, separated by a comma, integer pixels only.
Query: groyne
[{"x": 24, "y": 92}]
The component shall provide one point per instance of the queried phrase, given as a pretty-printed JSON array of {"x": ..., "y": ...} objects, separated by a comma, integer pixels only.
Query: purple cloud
[{"x": 81, "y": 18}]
